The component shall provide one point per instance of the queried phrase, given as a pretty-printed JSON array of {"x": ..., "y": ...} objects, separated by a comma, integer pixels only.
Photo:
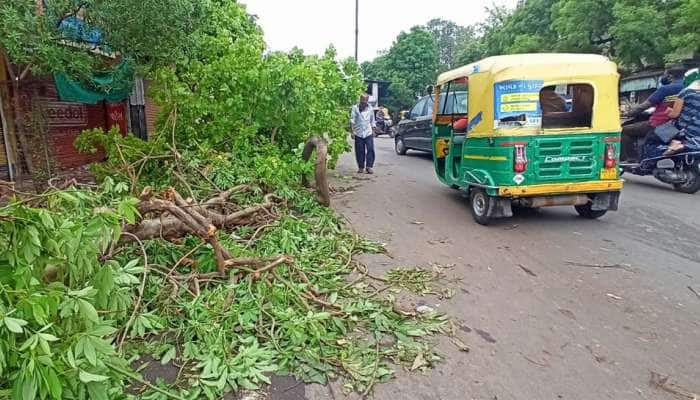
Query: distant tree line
[{"x": 635, "y": 33}]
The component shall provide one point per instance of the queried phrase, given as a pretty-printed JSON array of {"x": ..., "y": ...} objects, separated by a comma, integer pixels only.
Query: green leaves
[
  {"x": 87, "y": 377},
  {"x": 14, "y": 325},
  {"x": 54, "y": 283},
  {"x": 127, "y": 209},
  {"x": 88, "y": 311}
]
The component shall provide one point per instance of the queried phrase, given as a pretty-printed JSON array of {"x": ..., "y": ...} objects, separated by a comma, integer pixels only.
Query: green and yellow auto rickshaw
[{"x": 529, "y": 131}]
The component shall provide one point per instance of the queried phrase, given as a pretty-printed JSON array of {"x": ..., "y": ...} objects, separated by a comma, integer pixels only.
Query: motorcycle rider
[
  {"x": 662, "y": 99},
  {"x": 380, "y": 117}
]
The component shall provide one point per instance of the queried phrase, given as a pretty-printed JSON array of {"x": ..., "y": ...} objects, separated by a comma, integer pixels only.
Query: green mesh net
[{"x": 111, "y": 87}]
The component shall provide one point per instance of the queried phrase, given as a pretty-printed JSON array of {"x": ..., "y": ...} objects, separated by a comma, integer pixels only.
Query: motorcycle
[
  {"x": 384, "y": 124},
  {"x": 681, "y": 170}
]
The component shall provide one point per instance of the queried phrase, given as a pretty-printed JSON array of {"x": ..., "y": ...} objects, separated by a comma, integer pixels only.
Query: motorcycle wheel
[{"x": 691, "y": 186}]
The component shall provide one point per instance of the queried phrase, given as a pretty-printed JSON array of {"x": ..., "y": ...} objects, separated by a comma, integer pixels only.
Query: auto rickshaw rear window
[
  {"x": 453, "y": 99},
  {"x": 453, "y": 103},
  {"x": 567, "y": 106}
]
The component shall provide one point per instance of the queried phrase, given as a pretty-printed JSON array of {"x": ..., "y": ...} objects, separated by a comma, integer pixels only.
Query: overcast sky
[{"x": 314, "y": 24}]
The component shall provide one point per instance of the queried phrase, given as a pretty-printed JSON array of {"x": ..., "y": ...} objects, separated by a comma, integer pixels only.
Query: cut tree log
[
  {"x": 171, "y": 216},
  {"x": 172, "y": 220}
]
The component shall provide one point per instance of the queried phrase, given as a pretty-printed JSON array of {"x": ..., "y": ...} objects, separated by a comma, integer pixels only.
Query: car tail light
[
  {"x": 519, "y": 159},
  {"x": 610, "y": 159}
]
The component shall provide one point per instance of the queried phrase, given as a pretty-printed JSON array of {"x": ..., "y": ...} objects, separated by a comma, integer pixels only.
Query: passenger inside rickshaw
[{"x": 553, "y": 106}]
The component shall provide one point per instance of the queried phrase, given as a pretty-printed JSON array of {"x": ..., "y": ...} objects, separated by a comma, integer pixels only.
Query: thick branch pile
[{"x": 170, "y": 216}]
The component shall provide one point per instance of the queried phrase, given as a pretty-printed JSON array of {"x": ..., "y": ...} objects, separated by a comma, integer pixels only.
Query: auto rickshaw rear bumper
[{"x": 552, "y": 189}]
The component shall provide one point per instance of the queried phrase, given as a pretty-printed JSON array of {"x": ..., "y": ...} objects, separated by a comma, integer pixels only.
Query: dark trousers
[
  {"x": 630, "y": 134},
  {"x": 364, "y": 152}
]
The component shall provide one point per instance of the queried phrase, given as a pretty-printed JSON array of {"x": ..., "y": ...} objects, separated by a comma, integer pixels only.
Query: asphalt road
[{"x": 539, "y": 327}]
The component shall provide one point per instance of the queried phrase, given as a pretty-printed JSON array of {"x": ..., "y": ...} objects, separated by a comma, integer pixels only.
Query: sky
[{"x": 315, "y": 24}]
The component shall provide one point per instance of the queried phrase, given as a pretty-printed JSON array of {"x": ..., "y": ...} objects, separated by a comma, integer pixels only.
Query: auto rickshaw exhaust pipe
[{"x": 549, "y": 201}]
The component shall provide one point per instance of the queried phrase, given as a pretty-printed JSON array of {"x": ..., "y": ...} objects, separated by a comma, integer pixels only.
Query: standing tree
[
  {"x": 640, "y": 33},
  {"x": 685, "y": 32},
  {"x": 583, "y": 26},
  {"x": 410, "y": 65},
  {"x": 448, "y": 36}
]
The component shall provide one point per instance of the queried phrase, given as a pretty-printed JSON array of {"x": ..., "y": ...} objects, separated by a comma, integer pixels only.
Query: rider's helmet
[{"x": 692, "y": 78}]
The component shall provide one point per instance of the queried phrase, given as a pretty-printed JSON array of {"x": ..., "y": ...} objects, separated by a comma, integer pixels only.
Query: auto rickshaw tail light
[
  {"x": 519, "y": 159},
  {"x": 610, "y": 161}
]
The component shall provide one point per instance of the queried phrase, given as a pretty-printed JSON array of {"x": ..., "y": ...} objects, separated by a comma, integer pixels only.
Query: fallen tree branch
[
  {"x": 139, "y": 299},
  {"x": 598, "y": 266},
  {"x": 692, "y": 289},
  {"x": 176, "y": 217},
  {"x": 662, "y": 382}
]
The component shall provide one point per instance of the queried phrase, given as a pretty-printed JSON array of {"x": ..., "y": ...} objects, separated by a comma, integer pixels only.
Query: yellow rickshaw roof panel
[{"x": 553, "y": 64}]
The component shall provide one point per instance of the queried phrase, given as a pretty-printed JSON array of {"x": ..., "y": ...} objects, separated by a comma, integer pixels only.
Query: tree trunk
[
  {"x": 8, "y": 139},
  {"x": 19, "y": 128},
  {"x": 19, "y": 121},
  {"x": 322, "y": 190}
]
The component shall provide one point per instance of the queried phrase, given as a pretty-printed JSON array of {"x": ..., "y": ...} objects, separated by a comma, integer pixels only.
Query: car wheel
[
  {"x": 400, "y": 146},
  {"x": 481, "y": 206},
  {"x": 586, "y": 211}
]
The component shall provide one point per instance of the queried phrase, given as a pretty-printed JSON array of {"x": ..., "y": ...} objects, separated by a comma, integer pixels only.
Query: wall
[
  {"x": 152, "y": 111},
  {"x": 60, "y": 123}
]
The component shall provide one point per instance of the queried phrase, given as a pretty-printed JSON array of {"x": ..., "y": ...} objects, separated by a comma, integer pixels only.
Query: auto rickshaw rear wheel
[
  {"x": 586, "y": 211},
  {"x": 481, "y": 206}
]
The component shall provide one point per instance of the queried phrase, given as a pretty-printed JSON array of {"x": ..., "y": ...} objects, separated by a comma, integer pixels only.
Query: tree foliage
[
  {"x": 228, "y": 91},
  {"x": 449, "y": 37},
  {"x": 635, "y": 34},
  {"x": 150, "y": 33}
]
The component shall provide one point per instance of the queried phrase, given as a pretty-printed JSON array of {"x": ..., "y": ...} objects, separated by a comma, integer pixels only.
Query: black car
[{"x": 415, "y": 132}]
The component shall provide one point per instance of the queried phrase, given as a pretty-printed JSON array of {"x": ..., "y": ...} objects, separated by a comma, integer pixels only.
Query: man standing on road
[
  {"x": 662, "y": 99},
  {"x": 363, "y": 125}
]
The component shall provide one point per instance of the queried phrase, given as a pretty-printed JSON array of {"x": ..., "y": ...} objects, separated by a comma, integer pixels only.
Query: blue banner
[{"x": 517, "y": 103}]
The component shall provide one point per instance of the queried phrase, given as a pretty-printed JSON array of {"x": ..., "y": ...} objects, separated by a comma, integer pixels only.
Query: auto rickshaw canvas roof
[{"x": 554, "y": 65}]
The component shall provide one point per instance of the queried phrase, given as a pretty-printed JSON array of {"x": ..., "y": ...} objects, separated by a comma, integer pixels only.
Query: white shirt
[{"x": 362, "y": 122}]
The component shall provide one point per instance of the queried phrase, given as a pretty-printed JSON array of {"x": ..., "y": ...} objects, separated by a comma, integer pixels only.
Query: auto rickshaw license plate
[{"x": 610, "y": 173}]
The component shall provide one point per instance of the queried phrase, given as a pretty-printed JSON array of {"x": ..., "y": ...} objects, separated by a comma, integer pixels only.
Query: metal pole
[{"x": 357, "y": 26}]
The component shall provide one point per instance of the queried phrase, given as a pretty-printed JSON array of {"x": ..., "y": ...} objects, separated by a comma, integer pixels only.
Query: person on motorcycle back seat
[
  {"x": 687, "y": 109},
  {"x": 663, "y": 98}
]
